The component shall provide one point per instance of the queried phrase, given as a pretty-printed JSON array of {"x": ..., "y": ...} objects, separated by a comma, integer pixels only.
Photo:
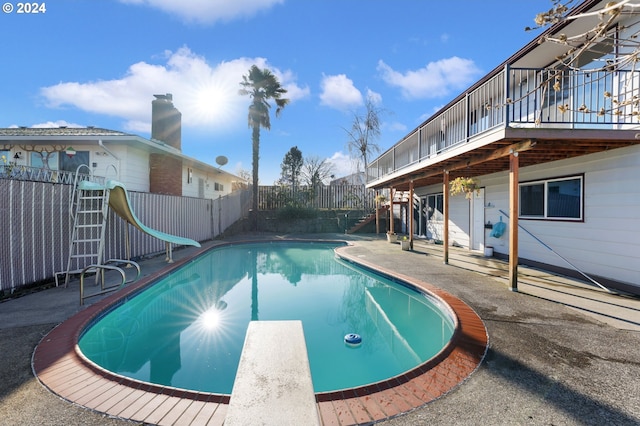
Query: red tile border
[{"x": 63, "y": 370}]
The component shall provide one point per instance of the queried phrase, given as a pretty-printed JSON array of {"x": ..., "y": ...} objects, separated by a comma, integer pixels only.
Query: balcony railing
[{"x": 520, "y": 97}]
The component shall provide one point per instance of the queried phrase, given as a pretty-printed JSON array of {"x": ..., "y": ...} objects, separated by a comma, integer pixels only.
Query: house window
[
  {"x": 44, "y": 160},
  {"x": 435, "y": 203},
  {"x": 71, "y": 163},
  {"x": 554, "y": 199},
  {"x": 218, "y": 186},
  {"x": 59, "y": 160}
]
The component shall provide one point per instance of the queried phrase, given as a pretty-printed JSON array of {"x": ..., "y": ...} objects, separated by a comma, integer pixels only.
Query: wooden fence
[{"x": 322, "y": 197}]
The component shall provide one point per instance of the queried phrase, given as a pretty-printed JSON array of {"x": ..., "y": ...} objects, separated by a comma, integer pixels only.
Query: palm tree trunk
[{"x": 255, "y": 138}]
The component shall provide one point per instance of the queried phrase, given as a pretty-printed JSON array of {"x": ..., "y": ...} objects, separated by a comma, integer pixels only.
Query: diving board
[{"x": 273, "y": 384}]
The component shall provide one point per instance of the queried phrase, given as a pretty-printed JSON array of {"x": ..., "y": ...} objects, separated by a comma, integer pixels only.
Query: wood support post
[
  {"x": 377, "y": 213},
  {"x": 445, "y": 205},
  {"x": 410, "y": 209},
  {"x": 513, "y": 222},
  {"x": 391, "y": 195}
]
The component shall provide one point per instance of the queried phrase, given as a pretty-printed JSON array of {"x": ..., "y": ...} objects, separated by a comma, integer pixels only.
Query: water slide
[{"x": 119, "y": 203}]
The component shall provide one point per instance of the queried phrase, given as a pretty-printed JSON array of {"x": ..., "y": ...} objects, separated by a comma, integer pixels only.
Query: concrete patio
[{"x": 561, "y": 351}]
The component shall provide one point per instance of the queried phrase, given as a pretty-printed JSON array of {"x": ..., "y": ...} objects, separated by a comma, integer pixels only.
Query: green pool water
[{"x": 187, "y": 330}]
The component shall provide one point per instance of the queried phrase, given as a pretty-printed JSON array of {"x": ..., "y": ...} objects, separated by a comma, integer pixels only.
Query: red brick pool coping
[{"x": 61, "y": 368}]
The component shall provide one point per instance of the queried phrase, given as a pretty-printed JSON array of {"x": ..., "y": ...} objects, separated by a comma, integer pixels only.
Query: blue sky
[{"x": 99, "y": 63}]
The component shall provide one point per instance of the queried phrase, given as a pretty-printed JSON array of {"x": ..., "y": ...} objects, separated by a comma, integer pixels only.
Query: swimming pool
[{"x": 187, "y": 330}]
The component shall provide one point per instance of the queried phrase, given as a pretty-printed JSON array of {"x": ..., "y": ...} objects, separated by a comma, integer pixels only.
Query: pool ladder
[{"x": 100, "y": 270}]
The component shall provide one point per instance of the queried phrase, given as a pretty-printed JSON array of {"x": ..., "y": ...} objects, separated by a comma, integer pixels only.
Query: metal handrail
[{"x": 102, "y": 268}]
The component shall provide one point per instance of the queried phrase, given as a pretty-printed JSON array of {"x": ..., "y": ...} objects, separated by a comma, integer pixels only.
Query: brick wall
[{"x": 165, "y": 175}]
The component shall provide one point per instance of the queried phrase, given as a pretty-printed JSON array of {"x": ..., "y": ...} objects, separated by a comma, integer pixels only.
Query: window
[
  {"x": 44, "y": 160},
  {"x": 218, "y": 186},
  {"x": 59, "y": 160},
  {"x": 552, "y": 199},
  {"x": 70, "y": 163},
  {"x": 435, "y": 203}
]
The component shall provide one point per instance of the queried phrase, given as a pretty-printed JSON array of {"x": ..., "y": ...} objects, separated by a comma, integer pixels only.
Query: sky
[{"x": 98, "y": 63}]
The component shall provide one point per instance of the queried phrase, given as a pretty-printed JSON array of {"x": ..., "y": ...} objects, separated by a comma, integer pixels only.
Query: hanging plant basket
[{"x": 464, "y": 185}]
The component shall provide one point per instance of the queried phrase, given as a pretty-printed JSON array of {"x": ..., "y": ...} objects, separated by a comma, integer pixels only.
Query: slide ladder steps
[{"x": 89, "y": 212}]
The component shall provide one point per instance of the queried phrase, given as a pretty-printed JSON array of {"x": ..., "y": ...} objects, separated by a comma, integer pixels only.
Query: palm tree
[{"x": 260, "y": 86}]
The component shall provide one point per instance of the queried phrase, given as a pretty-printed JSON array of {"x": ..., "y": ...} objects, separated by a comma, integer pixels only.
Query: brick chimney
[
  {"x": 166, "y": 121},
  {"x": 165, "y": 174}
]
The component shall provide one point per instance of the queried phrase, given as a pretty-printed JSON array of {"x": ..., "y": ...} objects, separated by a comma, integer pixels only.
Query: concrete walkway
[{"x": 561, "y": 352}]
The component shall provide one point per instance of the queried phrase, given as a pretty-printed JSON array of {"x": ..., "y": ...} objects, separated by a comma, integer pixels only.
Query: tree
[
  {"x": 607, "y": 45},
  {"x": 315, "y": 171},
  {"x": 364, "y": 131},
  {"x": 291, "y": 167},
  {"x": 261, "y": 86}
]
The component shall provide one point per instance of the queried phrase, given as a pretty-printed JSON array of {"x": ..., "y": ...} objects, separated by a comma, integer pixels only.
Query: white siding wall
[
  {"x": 459, "y": 214},
  {"x": 132, "y": 165},
  {"x": 209, "y": 178},
  {"x": 607, "y": 243}
]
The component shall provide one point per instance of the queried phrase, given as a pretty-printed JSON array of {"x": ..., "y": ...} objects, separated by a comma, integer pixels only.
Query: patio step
[{"x": 273, "y": 384}]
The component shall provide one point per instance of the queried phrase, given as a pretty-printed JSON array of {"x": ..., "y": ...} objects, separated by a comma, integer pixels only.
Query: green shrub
[{"x": 296, "y": 212}]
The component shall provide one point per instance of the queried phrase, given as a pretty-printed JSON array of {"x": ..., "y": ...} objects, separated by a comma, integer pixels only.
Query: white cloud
[
  {"x": 339, "y": 92},
  {"x": 208, "y": 11},
  {"x": 436, "y": 79},
  {"x": 342, "y": 164},
  {"x": 395, "y": 126},
  {"x": 207, "y": 96},
  {"x": 375, "y": 97}
]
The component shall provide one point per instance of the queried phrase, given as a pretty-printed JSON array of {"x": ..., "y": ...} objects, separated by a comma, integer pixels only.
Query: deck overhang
[{"x": 490, "y": 154}]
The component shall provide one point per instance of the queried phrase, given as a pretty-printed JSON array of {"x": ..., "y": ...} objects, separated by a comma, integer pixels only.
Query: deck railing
[{"x": 520, "y": 97}]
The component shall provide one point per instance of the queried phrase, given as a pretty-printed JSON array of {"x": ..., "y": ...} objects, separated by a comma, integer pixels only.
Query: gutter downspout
[{"x": 113, "y": 155}]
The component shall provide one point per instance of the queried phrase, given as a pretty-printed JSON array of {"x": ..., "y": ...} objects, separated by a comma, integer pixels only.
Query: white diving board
[{"x": 273, "y": 384}]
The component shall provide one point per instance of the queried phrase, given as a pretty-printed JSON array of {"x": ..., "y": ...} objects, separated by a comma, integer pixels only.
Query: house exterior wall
[
  {"x": 165, "y": 175},
  {"x": 201, "y": 183},
  {"x": 606, "y": 243},
  {"x": 132, "y": 166}
]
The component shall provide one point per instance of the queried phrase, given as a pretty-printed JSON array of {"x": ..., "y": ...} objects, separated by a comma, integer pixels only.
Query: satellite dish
[{"x": 221, "y": 160}]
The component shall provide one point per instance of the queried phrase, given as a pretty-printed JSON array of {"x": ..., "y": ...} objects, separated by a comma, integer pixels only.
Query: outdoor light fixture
[{"x": 17, "y": 156}]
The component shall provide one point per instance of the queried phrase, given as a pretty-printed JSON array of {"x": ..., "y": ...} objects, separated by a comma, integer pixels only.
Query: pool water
[{"x": 187, "y": 330}]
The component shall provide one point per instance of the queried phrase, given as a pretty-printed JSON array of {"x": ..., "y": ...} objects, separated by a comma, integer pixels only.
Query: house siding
[
  {"x": 127, "y": 165},
  {"x": 135, "y": 170},
  {"x": 208, "y": 182},
  {"x": 605, "y": 244}
]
